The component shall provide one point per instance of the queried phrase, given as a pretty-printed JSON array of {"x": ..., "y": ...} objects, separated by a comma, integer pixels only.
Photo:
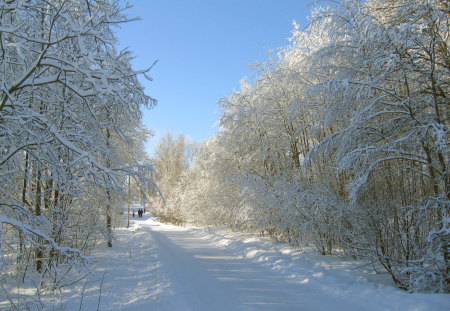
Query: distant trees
[
  {"x": 70, "y": 111},
  {"x": 342, "y": 142},
  {"x": 171, "y": 162}
]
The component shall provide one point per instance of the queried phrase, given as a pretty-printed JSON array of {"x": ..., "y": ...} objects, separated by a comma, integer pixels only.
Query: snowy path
[
  {"x": 161, "y": 267},
  {"x": 205, "y": 277}
]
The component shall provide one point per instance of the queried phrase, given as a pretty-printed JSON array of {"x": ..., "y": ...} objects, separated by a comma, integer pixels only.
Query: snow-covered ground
[{"x": 162, "y": 267}]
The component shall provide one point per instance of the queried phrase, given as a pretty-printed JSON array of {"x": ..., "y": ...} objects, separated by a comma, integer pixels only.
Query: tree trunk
[
  {"x": 108, "y": 205},
  {"x": 37, "y": 212}
]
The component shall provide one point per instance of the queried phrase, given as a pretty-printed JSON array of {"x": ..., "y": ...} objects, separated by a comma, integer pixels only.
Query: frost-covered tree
[
  {"x": 171, "y": 162},
  {"x": 391, "y": 87},
  {"x": 342, "y": 140},
  {"x": 70, "y": 103}
]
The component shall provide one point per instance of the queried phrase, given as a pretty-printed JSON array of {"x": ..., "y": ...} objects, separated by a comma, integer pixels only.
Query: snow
[{"x": 155, "y": 266}]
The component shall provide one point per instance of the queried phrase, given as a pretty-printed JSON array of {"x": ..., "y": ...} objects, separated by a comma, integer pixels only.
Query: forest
[
  {"x": 339, "y": 141},
  {"x": 70, "y": 112}
]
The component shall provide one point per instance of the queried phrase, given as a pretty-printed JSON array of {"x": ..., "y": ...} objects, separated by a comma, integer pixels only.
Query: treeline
[
  {"x": 341, "y": 142},
  {"x": 70, "y": 137}
]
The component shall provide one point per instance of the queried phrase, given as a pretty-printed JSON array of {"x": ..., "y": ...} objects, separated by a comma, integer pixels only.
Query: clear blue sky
[{"x": 204, "y": 48}]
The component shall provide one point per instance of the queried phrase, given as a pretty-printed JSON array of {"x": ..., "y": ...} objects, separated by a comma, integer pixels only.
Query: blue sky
[{"x": 203, "y": 48}]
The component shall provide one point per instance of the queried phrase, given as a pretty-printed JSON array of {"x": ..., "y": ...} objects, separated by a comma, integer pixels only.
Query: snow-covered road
[
  {"x": 204, "y": 277},
  {"x": 161, "y": 267}
]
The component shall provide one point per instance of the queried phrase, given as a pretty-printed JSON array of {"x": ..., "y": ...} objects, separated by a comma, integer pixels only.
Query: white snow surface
[{"x": 155, "y": 266}]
